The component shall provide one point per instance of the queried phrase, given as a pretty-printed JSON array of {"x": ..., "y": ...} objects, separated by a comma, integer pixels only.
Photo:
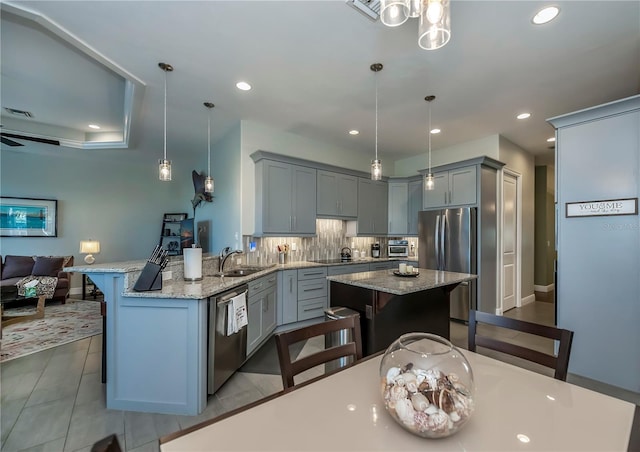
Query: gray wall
[
  {"x": 544, "y": 226},
  {"x": 109, "y": 195},
  {"x": 598, "y": 158}
]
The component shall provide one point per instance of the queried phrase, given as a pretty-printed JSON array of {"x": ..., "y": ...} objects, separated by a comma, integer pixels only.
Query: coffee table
[{"x": 11, "y": 296}]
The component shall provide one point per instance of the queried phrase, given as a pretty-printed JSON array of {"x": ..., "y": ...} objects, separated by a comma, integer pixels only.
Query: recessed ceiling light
[
  {"x": 523, "y": 115},
  {"x": 545, "y": 15},
  {"x": 523, "y": 438},
  {"x": 435, "y": 131},
  {"x": 94, "y": 126},
  {"x": 551, "y": 140},
  {"x": 244, "y": 86},
  {"x": 354, "y": 132}
]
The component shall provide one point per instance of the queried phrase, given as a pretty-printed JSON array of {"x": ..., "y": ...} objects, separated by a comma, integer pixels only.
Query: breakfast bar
[{"x": 391, "y": 304}]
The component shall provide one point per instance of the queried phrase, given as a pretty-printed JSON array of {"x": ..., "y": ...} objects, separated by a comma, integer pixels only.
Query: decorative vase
[{"x": 427, "y": 385}]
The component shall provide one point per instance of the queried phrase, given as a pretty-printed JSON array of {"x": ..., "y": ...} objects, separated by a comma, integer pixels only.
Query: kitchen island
[{"x": 391, "y": 305}]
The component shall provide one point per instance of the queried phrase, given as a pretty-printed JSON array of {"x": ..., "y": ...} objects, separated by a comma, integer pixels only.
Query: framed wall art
[{"x": 28, "y": 217}]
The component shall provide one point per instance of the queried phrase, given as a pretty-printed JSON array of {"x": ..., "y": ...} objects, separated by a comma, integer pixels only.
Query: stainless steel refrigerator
[{"x": 447, "y": 241}]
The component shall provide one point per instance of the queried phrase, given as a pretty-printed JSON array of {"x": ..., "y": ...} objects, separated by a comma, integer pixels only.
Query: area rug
[
  {"x": 265, "y": 360},
  {"x": 75, "y": 320}
]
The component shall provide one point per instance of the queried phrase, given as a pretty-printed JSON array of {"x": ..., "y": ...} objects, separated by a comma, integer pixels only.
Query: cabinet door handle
[{"x": 290, "y": 285}]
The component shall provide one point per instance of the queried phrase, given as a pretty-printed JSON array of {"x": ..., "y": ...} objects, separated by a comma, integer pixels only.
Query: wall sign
[{"x": 602, "y": 208}]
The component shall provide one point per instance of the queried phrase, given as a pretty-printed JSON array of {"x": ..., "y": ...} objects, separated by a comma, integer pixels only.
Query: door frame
[{"x": 518, "y": 293}]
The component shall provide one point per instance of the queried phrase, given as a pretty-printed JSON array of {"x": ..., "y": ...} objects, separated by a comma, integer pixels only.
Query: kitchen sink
[{"x": 243, "y": 271}]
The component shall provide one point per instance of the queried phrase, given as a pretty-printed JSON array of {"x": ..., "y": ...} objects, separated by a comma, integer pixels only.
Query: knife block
[{"x": 150, "y": 278}]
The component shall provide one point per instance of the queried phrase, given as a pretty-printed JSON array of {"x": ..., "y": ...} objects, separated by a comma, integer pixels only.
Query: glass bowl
[{"x": 427, "y": 385}]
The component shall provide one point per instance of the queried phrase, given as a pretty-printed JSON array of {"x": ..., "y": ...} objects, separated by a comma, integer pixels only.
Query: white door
[{"x": 509, "y": 241}]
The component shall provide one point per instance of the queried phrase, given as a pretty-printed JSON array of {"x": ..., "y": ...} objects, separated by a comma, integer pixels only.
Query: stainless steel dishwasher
[{"x": 226, "y": 353}]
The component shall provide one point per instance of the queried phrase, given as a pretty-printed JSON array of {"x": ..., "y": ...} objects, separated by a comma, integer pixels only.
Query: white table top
[{"x": 345, "y": 412}]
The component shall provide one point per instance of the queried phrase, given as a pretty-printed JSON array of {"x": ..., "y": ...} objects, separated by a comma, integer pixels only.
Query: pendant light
[
  {"x": 376, "y": 165},
  {"x": 208, "y": 181},
  {"x": 164, "y": 165},
  {"x": 394, "y": 12},
  {"x": 434, "y": 30},
  {"x": 429, "y": 183}
]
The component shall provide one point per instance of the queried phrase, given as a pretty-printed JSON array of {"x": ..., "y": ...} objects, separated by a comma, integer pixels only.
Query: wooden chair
[
  {"x": 291, "y": 368},
  {"x": 560, "y": 363},
  {"x": 107, "y": 444}
]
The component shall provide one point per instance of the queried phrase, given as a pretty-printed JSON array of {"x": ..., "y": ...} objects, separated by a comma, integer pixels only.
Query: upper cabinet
[
  {"x": 415, "y": 189},
  {"x": 454, "y": 187},
  {"x": 337, "y": 195},
  {"x": 405, "y": 201},
  {"x": 285, "y": 199},
  {"x": 372, "y": 209},
  {"x": 398, "y": 208},
  {"x": 461, "y": 183}
]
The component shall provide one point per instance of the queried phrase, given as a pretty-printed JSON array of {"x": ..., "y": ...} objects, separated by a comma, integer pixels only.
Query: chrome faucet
[{"x": 224, "y": 255}]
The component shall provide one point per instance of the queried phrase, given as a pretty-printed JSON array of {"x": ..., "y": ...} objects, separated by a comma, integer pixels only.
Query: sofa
[{"x": 14, "y": 268}]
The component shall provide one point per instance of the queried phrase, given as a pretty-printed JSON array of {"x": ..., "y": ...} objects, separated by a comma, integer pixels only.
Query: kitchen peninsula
[
  {"x": 156, "y": 341},
  {"x": 391, "y": 305}
]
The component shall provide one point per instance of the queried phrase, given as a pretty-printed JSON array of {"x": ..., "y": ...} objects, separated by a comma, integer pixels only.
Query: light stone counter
[
  {"x": 178, "y": 288},
  {"x": 386, "y": 281}
]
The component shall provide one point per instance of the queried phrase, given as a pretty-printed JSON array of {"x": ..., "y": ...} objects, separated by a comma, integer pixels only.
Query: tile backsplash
[{"x": 330, "y": 239}]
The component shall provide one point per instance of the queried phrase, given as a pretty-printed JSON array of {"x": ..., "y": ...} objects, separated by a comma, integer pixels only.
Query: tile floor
[{"x": 54, "y": 401}]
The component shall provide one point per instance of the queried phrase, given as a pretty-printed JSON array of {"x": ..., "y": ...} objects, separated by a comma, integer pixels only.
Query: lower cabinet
[
  {"x": 261, "y": 310},
  {"x": 312, "y": 292},
  {"x": 287, "y": 296},
  {"x": 384, "y": 265},
  {"x": 302, "y": 294}
]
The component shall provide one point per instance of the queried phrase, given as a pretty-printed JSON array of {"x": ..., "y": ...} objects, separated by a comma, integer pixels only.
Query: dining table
[{"x": 515, "y": 410}]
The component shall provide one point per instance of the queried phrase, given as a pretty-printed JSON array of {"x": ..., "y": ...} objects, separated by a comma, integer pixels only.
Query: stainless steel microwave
[{"x": 398, "y": 248}]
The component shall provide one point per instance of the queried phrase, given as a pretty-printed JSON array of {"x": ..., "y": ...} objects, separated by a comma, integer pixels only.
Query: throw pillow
[
  {"x": 47, "y": 266},
  {"x": 17, "y": 266}
]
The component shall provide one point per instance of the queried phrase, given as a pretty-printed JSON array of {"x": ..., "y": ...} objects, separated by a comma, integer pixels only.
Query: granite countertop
[
  {"x": 386, "y": 281},
  {"x": 210, "y": 284}
]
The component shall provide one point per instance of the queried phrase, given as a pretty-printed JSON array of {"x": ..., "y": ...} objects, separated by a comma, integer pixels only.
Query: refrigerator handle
[
  {"x": 443, "y": 234},
  {"x": 437, "y": 242}
]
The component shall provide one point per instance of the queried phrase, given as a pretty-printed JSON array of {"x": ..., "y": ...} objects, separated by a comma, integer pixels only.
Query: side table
[{"x": 89, "y": 288}]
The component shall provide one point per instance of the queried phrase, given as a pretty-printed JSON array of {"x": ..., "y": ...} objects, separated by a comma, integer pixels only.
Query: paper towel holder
[{"x": 185, "y": 255}]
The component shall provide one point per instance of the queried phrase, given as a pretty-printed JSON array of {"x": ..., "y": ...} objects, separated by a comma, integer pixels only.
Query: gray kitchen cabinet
[
  {"x": 285, "y": 199},
  {"x": 287, "y": 296},
  {"x": 398, "y": 208},
  {"x": 414, "y": 205},
  {"x": 346, "y": 269},
  {"x": 383, "y": 265},
  {"x": 261, "y": 310},
  {"x": 373, "y": 212},
  {"x": 453, "y": 187},
  {"x": 337, "y": 195},
  {"x": 312, "y": 292}
]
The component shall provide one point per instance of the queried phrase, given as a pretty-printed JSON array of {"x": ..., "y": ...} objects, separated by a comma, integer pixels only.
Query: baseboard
[
  {"x": 528, "y": 299},
  {"x": 551, "y": 287},
  {"x": 75, "y": 291}
]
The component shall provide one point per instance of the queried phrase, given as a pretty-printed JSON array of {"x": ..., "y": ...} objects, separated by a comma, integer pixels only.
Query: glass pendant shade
[
  {"x": 434, "y": 30},
  {"x": 394, "y": 12},
  {"x": 208, "y": 184},
  {"x": 164, "y": 168},
  {"x": 415, "y": 6},
  {"x": 376, "y": 170},
  {"x": 429, "y": 183}
]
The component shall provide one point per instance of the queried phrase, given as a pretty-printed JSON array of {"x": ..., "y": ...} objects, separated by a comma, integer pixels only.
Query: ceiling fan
[{"x": 6, "y": 139}]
